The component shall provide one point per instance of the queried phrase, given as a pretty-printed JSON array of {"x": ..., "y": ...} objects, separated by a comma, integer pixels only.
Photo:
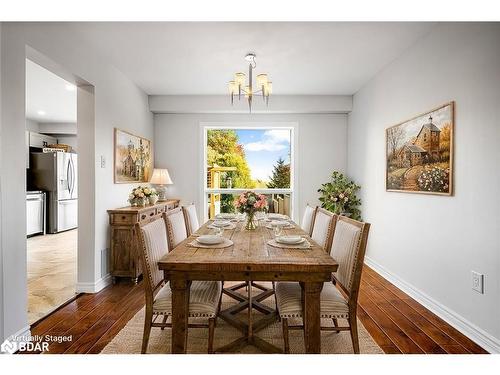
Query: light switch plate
[{"x": 478, "y": 282}]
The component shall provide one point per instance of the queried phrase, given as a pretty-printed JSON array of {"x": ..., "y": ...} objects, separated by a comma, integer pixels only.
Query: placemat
[
  {"x": 225, "y": 243},
  {"x": 303, "y": 246}
]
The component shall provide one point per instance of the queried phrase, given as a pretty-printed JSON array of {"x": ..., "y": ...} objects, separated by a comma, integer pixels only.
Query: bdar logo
[{"x": 8, "y": 347}]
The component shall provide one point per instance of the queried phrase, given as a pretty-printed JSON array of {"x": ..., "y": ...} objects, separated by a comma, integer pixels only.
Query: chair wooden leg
[
  {"x": 286, "y": 341},
  {"x": 165, "y": 318},
  {"x": 335, "y": 323},
  {"x": 353, "y": 323},
  {"x": 211, "y": 329},
  {"x": 147, "y": 330}
]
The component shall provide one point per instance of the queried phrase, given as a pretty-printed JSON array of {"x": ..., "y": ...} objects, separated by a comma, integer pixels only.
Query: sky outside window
[{"x": 263, "y": 148}]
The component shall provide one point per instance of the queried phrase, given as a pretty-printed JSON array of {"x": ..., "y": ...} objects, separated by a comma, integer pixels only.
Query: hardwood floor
[{"x": 397, "y": 323}]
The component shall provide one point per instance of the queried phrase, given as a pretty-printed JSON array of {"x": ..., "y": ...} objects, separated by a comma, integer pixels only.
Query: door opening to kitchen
[{"x": 52, "y": 190}]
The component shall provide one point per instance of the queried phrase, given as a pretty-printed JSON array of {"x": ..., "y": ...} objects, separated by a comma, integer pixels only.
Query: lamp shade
[{"x": 161, "y": 177}]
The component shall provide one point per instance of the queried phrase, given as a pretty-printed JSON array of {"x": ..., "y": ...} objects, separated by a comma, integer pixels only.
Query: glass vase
[{"x": 251, "y": 223}]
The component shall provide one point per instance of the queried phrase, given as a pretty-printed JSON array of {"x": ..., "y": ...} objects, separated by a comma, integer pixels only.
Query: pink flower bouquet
[{"x": 249, "y": 203}]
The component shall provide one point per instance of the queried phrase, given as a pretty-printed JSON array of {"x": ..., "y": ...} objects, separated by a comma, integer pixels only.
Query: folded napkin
[{"x": 303, "y": 246}]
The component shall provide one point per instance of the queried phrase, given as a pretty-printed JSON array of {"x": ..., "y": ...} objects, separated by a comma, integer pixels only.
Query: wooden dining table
[{"x": 249, "y": 258}]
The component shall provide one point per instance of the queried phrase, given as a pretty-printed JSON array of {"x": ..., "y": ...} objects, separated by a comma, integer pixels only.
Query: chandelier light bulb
[
  {"x": 263, "y": 87},
  {"x": 262, "y": 79}
]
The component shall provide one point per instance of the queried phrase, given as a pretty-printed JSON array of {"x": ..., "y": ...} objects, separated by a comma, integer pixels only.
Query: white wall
[
  {"x": 32, "y": 126},
  {"x": 118, "y": 102},
  {"x": 431, "y": 243},
  {"x": 2, "y": 305},
  {"x": 279, "y": 104},
  {"x": 321, "y": 149}
]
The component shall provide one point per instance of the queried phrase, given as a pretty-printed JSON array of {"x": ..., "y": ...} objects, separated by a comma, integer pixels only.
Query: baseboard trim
[
  {"x": 95, "y": 286},
  {"x": 476, "y": 334},
  {"x": 23, "y": 335}
]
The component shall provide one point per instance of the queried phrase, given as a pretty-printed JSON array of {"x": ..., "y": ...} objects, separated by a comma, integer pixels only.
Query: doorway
[{"x": 52, "y": 190}]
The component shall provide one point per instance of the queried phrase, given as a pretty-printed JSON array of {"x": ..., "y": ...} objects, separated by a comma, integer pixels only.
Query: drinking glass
[
  {"x": 218, "y": 231},
  {"x": 278, "y": 229}
]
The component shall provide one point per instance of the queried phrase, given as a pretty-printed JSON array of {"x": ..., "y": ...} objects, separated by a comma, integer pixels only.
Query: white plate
[
  {"x": 225, "y": 216},
  {"x": 209, "y": 239},
  {"x": 279, "y": 223},
  {"x": 221, "y": 223},
  {"x": 290, "y": 240},
  {"x": 277, "y": 217}
]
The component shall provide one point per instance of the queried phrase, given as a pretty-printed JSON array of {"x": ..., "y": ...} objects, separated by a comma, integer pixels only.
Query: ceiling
[
  {"x": 49, "y": 98},
  {"x": 199, "y": 58}
]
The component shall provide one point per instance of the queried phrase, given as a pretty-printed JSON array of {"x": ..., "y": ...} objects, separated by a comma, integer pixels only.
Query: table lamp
[{"x": 161, "y": 177}]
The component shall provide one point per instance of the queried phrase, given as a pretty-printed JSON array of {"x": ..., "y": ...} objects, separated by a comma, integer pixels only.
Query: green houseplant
[{"x": 339, "y": 196}]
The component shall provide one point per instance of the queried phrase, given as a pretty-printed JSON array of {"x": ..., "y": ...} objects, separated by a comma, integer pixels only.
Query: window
[{"x": 242, "y": 158}]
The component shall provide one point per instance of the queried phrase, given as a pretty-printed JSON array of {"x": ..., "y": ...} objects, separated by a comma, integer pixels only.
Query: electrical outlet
[
  {"x": 103, "y": 161},
  {"x": 478, "y": 282}
]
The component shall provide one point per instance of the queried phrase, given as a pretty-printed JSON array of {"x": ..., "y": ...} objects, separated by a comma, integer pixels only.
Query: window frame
[{"x": 205, "y": 191}]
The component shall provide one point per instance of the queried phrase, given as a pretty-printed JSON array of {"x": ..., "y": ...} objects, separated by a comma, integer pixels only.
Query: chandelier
[{"x": 238, "y": 86}]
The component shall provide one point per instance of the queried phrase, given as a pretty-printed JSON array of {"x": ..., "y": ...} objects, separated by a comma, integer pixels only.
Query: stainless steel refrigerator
[{"x": 56, "y": 173}]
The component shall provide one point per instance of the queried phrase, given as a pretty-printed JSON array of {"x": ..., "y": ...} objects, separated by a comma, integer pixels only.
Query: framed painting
[
  {"x": 419, "y": 153},
  {"x": 133, "y": 158}
]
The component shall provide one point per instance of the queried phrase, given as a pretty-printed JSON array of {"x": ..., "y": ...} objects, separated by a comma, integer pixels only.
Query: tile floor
[{"x": 51, "y": 272}]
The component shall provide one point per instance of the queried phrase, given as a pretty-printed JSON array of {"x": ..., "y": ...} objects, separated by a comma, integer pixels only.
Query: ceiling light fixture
[
  {"x": 238, "y": 86},
  {"x": 70, "y": 87},
  {"x": 41, "y": 113}
]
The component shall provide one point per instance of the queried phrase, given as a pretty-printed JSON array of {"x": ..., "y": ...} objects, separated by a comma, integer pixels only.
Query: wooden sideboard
[{"x": 124, "y": 255}]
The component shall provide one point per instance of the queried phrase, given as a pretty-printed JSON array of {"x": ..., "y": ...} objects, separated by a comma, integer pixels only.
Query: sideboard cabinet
[{"x": 124, "y": 247}]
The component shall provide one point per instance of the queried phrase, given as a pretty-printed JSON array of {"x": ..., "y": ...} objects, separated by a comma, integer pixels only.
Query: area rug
[{"x": 129, "y": 339}]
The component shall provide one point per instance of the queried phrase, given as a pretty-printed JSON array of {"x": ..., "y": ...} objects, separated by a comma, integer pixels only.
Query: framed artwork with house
[
  {"x": 419, "y": 153},
  {"x": 133, "y": 158}
]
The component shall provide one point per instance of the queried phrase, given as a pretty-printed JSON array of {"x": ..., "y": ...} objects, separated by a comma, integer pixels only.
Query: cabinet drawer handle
[
  {"x": 151, "y": 214},
  {"x": 124, "y": 217},
  {"x": 143, "y": 216}
]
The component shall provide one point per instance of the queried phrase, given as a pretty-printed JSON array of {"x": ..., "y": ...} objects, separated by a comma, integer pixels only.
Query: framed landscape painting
[
  {"x": 133, "y": 158},
  {"x": 419, "y": 153}
]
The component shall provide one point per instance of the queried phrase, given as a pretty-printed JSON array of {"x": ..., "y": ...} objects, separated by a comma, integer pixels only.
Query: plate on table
[
  {"x": 290, "y": 240},
  {"x": 279, "y": 223},
  {"x": 209, "y": 239},
  {"x": 277, "y": 217},
  {"x": 221, "y": 223},
  {"x": 225, "y": 216}
]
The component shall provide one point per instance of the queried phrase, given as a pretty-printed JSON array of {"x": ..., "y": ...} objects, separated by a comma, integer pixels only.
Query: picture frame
[
  {"x": 132, "y": 158},
  {"x": 420, "y": 153}
]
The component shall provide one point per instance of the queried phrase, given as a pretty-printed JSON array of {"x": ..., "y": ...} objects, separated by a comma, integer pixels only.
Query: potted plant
[
  {"x": 249, "y": 203},
  {"x": 339, "y": 196}
]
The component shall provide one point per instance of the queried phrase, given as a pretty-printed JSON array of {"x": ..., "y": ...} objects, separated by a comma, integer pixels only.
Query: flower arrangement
[
  {"x": 434, "y": 179},
  {"x": 339, "y": 196},
  {"x": 249, "y": 203},
  {"x": 141, "y": 195}
]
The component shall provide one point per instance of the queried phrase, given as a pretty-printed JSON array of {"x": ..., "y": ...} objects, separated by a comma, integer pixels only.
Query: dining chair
[
  {"x": 191, "y": 219},
  {"x": 204, "y": 296},
  {"x": 323, "y": 227},
  {"x": 307, "y": 219},
  {"x": 348, "y": 249},
  {"x": 176, "y": 227}
]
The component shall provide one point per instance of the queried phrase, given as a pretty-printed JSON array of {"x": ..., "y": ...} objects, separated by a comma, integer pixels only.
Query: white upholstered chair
[
  {"x": 204, "y": 297},
  {"x": 307, "y": 219},
  {"x": 323, "y": 226},
  {"x": 348, "y": 249},
  {"x": 176, "y": 227},
  {"x": 192, "y": 223}
]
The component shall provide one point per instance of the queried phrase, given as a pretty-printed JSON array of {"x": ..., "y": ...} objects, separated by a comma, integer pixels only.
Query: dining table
[{"x": 249, "y": 256}]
